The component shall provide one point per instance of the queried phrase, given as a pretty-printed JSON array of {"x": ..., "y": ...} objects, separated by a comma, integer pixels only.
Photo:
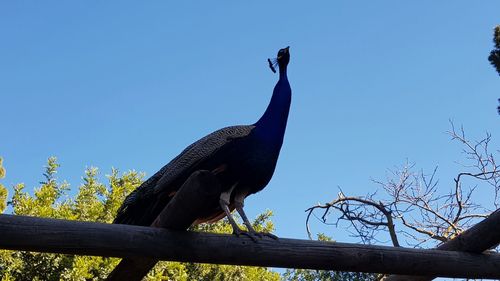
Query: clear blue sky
[{"x": 128, "y": 85}]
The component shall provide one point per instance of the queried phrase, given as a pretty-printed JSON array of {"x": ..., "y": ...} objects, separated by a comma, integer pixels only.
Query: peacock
[{"x": 242, "y": 158}]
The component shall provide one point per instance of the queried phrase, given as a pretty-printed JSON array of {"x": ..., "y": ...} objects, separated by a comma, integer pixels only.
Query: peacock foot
[
  {"x": 270, "y": 235},
  {"x": 238, "y": 232}
]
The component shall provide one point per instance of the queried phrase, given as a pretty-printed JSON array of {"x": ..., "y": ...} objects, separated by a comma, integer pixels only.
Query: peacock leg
[
  {"x": 224, "y": 204},
  {"x": 239, "y": 203}
]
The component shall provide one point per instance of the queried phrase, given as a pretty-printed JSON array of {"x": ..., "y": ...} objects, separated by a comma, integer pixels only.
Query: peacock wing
[{"x": 144, "y": 203}]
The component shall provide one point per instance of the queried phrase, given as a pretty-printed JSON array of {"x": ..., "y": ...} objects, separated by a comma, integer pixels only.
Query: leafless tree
[{"x": 410, "y": 206}]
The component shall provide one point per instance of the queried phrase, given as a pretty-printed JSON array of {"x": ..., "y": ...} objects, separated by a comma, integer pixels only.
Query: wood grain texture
[
  {"x": 477, "y": 239},
  {"x": 87, "y": 238}
]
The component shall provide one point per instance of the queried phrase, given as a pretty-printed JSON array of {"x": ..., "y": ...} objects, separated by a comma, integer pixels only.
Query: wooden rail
[
  {"x": 477, "y": 239},
  {"x": 88, "y": 238}
]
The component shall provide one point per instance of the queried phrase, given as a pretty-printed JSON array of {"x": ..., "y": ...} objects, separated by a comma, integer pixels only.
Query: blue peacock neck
[{"x": 271, "y": 126}]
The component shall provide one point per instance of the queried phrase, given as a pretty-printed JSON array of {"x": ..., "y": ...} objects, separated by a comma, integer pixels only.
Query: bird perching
[{"x": 242, "y": 158}]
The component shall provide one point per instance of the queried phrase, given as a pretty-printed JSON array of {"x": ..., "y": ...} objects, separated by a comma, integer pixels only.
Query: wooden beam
[
  {"x": 192, "y": 199},
  {"x": 483, "y": 236},
  {"x": 88, "y": 238}
]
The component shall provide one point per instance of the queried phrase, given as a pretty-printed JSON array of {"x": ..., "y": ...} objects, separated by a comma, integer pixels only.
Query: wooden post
[
  {"x": 200, "y": 189},
  {"x": 477, "y": 239},
  {"x": 88, "y": 238}
]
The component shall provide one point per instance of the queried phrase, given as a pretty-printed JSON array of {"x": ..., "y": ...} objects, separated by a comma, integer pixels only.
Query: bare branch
[{"x": 412, "y": 202}]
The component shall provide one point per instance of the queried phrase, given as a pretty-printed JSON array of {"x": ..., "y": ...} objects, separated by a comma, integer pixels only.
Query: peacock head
[
  {"x": 282, "y": 59},
  {"x": 283, "y": 56}
]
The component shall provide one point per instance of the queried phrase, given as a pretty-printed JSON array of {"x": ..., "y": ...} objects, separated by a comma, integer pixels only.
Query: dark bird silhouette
[{"x": 242, "y": 158}]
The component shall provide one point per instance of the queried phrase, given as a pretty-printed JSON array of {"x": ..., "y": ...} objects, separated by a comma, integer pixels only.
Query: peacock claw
[
  {"x": 270, "y": 235},
  {"x": 240, "y": 232}
]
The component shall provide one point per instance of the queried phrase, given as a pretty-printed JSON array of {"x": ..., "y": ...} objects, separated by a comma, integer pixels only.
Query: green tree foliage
[
  {"x": 323, "y": 275},
  {"x": 494, "y": 56},
  {"x": 3, "y": 190},
  {"x": 95, "y": 201}
]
